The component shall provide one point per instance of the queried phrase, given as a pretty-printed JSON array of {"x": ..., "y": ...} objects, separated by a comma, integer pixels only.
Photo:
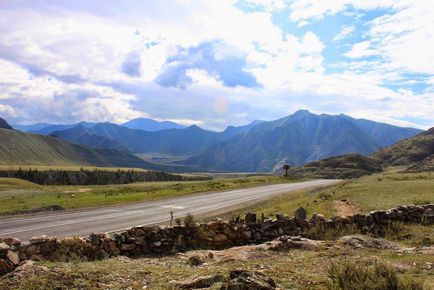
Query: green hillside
[
  {"x": 416, "y": 151},
  {"x": 30, "y": 149},
  {"x": 341, "y": 167}
]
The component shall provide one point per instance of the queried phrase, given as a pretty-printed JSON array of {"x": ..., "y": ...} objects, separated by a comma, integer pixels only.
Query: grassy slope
[
  {"x": 30, "y": 149},
  {"x": 375, "y": 192},
  {"x": 26, "y": 196}
]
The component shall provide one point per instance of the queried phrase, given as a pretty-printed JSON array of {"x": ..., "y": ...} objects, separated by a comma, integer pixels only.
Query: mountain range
[
  {"x": 5, "y": 125},
  {"x": 298, "y": 139},
  {"x": 260, "y": 146}
]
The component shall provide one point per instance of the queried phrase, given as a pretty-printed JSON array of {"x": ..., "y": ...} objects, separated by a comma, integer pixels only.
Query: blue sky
[{"x": 216, "y": 63}]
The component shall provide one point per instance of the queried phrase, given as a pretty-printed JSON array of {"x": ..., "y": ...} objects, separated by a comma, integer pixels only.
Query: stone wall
[{"x": 217, "y": 234}]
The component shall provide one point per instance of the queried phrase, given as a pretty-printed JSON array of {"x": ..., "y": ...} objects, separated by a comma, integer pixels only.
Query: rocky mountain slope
[{"x": 298, "y": 139}]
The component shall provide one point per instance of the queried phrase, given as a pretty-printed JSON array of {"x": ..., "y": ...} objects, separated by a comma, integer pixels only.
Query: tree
[{"x": 286, "y": 167}]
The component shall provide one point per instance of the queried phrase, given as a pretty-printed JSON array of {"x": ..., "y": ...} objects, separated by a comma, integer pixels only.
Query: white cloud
[
  {"x": 67, "y": 62},
  {"x": 345, "y": 32}
]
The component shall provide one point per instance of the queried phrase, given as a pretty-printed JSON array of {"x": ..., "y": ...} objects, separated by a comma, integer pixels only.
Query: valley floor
[{"x": 291, "y": 269}]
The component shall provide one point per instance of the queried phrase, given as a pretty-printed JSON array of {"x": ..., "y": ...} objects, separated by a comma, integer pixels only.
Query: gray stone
[
  {"x": 250, "y": 218},
  {"x": 300, "y": 214}
]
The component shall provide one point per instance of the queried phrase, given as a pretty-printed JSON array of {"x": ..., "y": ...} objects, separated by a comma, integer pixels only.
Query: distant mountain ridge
[
  {"x": 298, "y": 139},
  {"x": 190, "y": 140},
  {"x": 151, "y": 125},
  {"x": 83, "y": 135}
]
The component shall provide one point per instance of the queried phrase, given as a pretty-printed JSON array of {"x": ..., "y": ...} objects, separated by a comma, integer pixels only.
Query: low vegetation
[
  {"x": 355, "y": 275},
  {"x": 375, "y": 192},
  {"x": 94, "y": 177},
  {"x": 19, "y": 195}
]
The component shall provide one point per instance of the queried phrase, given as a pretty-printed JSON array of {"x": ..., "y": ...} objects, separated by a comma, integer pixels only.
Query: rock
[
  {"x": 285, "y": 243},
  {"x": 128, "y": 247},
  {"x": 428, "y": 216},
  {"x": 46, "y": 248},
  {"x": 12, "y": 241},
  {"x": 199, "y": 282},
  {"x": 300, "y": 214},
  {"x": 245, "y": 280},
  {"x": 4, "y": 247},
  {"x": 250, "y": 218},
  {"x": 360, "y": 241},
  {"x": 220, "y": 238},
  {"x": 39, "y": 239},
  {"x": 5, "y": 267},
  {"x": 13, "y": 257},
  {"x": 28, "y": 270}
]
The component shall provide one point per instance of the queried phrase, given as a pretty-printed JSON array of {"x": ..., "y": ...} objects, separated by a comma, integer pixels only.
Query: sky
[{"x": 216, "y": 63}]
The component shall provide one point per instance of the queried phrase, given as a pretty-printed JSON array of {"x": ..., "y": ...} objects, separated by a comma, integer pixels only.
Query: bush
[
  {"x": 350, "y": 275},
  {"x": 189, "y": 221}
]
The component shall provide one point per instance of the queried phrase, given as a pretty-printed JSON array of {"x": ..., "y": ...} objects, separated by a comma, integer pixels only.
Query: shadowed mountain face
[
  {"x": 297, "y": 139},
  {"x": 417, "y": 151},
  {"x": 151, "y": 125},
  {"x": 190, "y": 140},
  {"x": 82, "y": 135},
  {"x": 5, "y": 125}
]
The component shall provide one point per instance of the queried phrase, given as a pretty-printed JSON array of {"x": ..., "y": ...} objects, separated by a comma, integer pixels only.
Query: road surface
[{"x": 116, "y": 218}]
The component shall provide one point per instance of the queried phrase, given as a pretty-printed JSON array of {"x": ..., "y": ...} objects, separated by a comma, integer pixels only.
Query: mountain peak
[{"x": 302, "y": 112}]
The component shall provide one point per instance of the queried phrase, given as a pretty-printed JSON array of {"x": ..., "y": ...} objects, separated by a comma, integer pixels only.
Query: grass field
[
  {"x": 294, "y": 269},
  {"x": 18, "y": 195},
  {"x": 374, "y": 192}
]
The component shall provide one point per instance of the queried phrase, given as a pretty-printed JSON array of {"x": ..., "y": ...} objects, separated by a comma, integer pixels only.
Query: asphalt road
[{"x": 115, "y": 218}]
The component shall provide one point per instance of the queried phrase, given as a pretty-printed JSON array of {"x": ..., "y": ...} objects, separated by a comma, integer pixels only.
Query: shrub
[
  {"x": 189, "y": 221},
  {"x": 351, "y": 275}
]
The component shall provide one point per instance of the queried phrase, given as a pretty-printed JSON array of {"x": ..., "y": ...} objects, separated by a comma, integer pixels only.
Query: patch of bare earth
[{"x": 344, "y": 208}]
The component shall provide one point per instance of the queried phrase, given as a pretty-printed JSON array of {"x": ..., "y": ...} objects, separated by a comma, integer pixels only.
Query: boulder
[
  {"x": 199, "y": 282},
  {"x": 250, "y": 218},
  {"x": 5, "y": 267},
  {"x": 428, "y": 216},
  {"x": 246, "y": 280},
  {"x": 300, "y": 214},
  {"x": 12, "y": 241},
  {"x": 12, "y": 257},
  {"x": 4, "y": 247},
  {"x": 360, "y": 241}
]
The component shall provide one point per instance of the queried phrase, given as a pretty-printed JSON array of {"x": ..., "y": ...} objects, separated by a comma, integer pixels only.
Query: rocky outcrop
[
  {"x": 359, "y": 242},
  {"x": 214, "y": 235}
]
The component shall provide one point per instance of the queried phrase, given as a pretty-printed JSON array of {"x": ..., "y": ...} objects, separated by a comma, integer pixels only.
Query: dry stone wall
[{"x": 217, "y": 234}]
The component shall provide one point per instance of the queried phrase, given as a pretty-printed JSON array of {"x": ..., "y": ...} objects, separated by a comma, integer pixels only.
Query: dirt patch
[
  {"x": 344, "y": 208},
  {"x": 80, "y": 190}
]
